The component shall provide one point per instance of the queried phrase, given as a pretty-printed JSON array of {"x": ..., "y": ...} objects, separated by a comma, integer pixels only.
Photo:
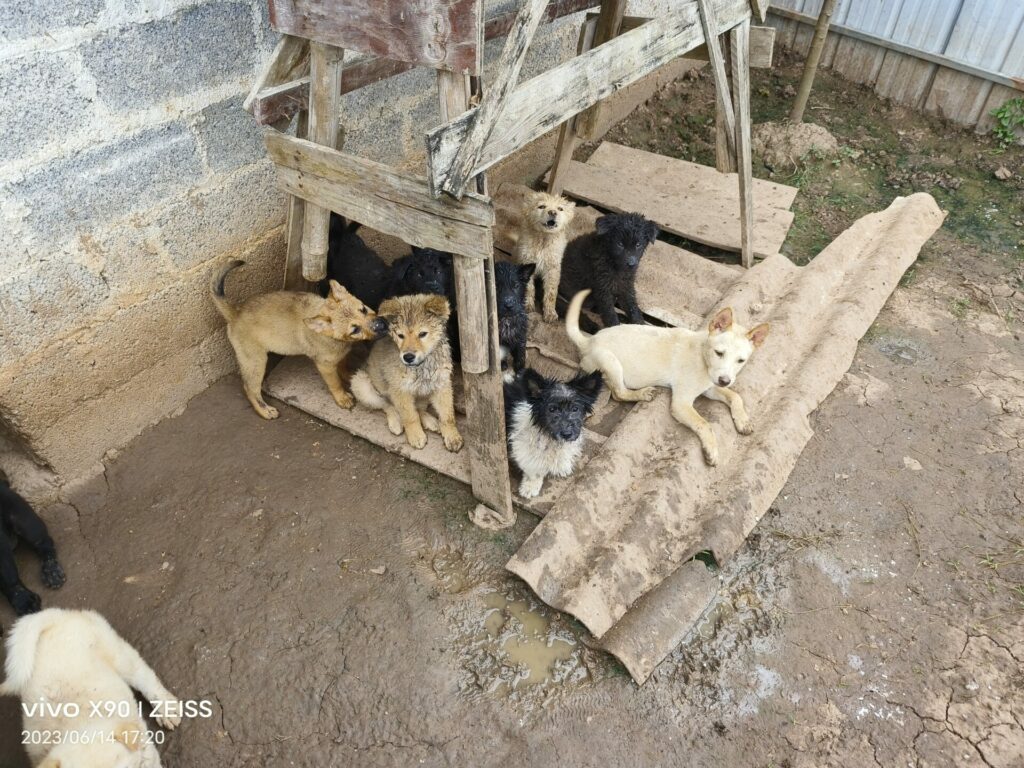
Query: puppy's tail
[
  {"x": 217, "y": 290},
  {"x": 572, "y": 322},
  {"x": 22, "y": 644},
  {"x": 366, "y": 393}
]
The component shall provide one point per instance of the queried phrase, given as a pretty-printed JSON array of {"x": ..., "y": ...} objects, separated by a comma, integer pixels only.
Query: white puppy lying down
[
  {"x": 69, "y": 663},
  {"x": 636, "y": 358}
]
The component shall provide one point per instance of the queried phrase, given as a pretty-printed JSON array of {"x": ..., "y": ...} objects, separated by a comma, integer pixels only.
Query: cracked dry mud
[{"x": 875, "y": 617}]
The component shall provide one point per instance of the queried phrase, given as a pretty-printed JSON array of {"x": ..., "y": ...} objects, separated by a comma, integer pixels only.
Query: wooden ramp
[{"x": 686, "y": 199}]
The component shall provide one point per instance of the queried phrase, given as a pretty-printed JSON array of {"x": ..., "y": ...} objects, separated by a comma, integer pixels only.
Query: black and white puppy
[
  {"x": 606, "y": 261},
  {"x": 354, "y": 264},
  {"x": 510, "y": 285},
  {"x": 19, "y": 521},
  {"x": 544, "y": 421}
]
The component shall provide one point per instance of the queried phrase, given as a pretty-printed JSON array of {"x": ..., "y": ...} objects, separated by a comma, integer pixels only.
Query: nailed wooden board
[
  {"x": 428, "y": 33},
  {"x": 689, "y": 200},
  {"x": 381, "y": 197},
  {"x": 295, "y": 381},
  {"x": 541, "y": 104}
]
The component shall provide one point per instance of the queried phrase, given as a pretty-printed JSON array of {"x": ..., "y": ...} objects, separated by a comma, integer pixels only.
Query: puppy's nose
[
  {"x": 568, "y": 434},
  {"x": 409, "y": 357},
  {"x": 508, "y": 302},
  {"x": 379, "y": 326},
  {"x": 724, "y": 381}
]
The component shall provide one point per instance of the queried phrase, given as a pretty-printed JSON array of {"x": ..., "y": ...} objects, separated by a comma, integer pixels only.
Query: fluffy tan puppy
[{"x": 543, "y": 235}]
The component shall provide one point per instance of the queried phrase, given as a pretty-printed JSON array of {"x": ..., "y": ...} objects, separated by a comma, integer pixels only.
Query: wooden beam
[
  {"x": 324, "y": 105},
  {"x": 380, "y": 197},
  {"x": 475, "y": 296},
  {"x": 609, "y": 25},
  {"x": 759, "y": 9},
  {"x": 484, "y": 118},
  {"x": 293, "y": 279},
  {"x": 290, "y": 60},
  {"x": 279, "y": 102},
  {"x": 739, "y": 44},
  {"x": 567, "y": 138},
  {"x": 442, "y": 35},
  {"x": 723, "y": 98},
  {"x": 549, "y": 99}
]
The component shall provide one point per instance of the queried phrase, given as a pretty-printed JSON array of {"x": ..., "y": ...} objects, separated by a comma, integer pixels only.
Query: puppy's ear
[
  {"x": 604, "y": 225},
  {"x": 588, "y": 385},
  {"x": 526, "y": 272},
  {"x": 758, "y": 334},
  {"x": 401, "y": 267},
  {"x": 437, "y": 305},
  {"x": 338, "y": 292},
  {"x": 533, "y": 382},
  {"x": 651, "y": 232},
  {"x": 319, "y": 324},
  {"x": 389, "y": 309},
  {"x": 721, "y": 322}
]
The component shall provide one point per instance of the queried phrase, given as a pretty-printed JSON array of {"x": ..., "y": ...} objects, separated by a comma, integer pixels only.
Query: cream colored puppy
[
  {"x": 636, "y": 358},
  {"x": 74, "y": 675},
  {"x": 543, "y": 235}
]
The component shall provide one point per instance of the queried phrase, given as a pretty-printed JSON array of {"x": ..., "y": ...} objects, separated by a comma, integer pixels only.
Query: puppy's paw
[
  {"x": 711, "y": 455},
  {"x": 395, "y": 424},
  {"x": 453, "y": 440},
  {"x": 417, "y": 439},
  {"x": 53, "y": 574},
  {"x": 508, "y": 376},
  {"x": 529, "y": 487},
  {"x": 743, "y": 426},
  {"x": 25, "y": 601},
  {"x": 345, "y": 400},
  {"x": 646, "y": 394},
  {"x": 268, "y": 412},
  {"x": 429, "y": 422},
  {"x": 169, "y": 711}
]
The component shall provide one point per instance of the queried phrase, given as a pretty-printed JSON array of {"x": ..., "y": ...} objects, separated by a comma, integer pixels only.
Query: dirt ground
[{"x": 874, "y": 617}]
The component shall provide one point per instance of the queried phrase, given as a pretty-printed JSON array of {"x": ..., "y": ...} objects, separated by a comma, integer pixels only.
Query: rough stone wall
[{"x": 128, "y": 170}]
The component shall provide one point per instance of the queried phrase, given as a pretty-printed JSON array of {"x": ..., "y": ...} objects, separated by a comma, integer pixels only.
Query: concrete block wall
[{"x": 128, "y": 171}]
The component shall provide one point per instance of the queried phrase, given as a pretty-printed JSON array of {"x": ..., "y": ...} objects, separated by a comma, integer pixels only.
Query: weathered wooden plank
[
  {"x": 293, "y": 279},
  {"x": 567, "y": 138},
  {"x": 282, "y": 101},
  {"x": 549, "y": 99},
  {"x": 481, "y": 378},
  {"x": 739, "y": 45},
  {"x": 325, "y": 63},
  {"x": 487, "y": 114},
  {"x": 681, "y": 197},
  {"x": 289, "y": 60},
  {"x": 442, "y": 35},
  {"x": 380, "y": 197},
  {"x": 723, "y": 95},
  {"x": 725, "y": 144},
  {"x": 762, "y": 46},
  {"x": 759, "y": 8},
  {"x": 609, "y": 25}
]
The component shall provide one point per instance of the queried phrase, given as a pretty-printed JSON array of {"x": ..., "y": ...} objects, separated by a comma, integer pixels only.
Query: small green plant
[
  {"x": 1009, "y": 118},
  {"x": 958, "y": 307}
]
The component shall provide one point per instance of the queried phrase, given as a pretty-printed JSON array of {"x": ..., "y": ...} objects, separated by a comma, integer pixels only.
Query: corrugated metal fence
[{"x": 956, "y": 58}]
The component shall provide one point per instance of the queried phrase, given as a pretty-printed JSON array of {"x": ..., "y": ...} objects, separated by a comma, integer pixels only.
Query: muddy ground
[{"x": 337, "y": 608}]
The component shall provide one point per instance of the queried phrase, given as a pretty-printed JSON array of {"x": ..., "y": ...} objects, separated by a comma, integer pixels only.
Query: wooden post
[
  {"x": 324, "y": 104},
  {"x": 725, "y": 146},
  {"x": 739, "y": 37},
  {"x": 293, "y": 279},
  {"x": 609, "y": 22},
  {"x": 813, "y": 57},
  {"x": 481, "y": 368},
  {"x": 567, "y": 137},
  {"x": 723, "y": 100}
]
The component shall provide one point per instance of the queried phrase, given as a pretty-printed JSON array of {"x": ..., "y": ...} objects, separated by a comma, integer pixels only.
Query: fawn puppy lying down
[
  {"x": 294, "y": 323},
  {"x": 636, "y": 358}
]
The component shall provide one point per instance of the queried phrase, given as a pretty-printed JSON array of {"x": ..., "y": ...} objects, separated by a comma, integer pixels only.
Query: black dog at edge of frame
[{"x": 19, "y": 521}]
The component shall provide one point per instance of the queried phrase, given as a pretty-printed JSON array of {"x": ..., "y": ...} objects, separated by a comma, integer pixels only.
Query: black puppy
[
  {"x": 423, "y": 271},
  {"x": 606, "y": 261},
  {"x": 19, "y": 521},
  {"x": 354, "y": 264},
  {"x": 544, "y": 422},
  {"x": 510, "y": 284}
]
